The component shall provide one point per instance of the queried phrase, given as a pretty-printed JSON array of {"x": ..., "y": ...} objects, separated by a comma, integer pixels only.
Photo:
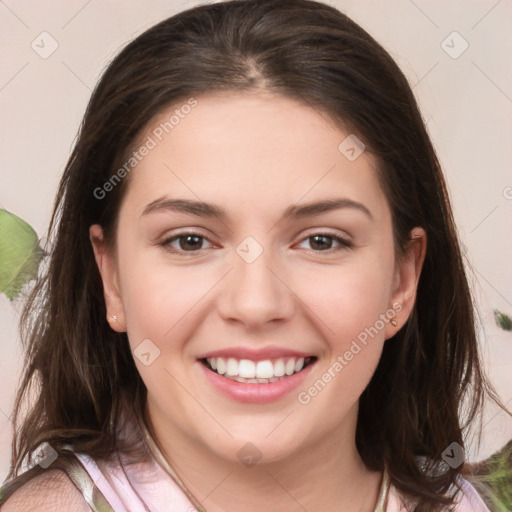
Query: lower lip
[{"x": 256, "y": 393}]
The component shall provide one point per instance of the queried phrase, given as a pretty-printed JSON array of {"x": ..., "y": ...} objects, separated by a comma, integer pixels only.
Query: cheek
[
  {"x": 349, "y": 307},
  {"x": 162, "y": 304},
  {"x": 347, "y": 299},
  {"x": 158, "y": 297},
  {"x": 160, "y": 301}
]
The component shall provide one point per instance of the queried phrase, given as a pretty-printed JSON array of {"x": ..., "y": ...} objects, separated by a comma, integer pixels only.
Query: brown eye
[
  {"x": 323, "y": 242},
  {"x": 186, "y": 242},
  {"x": 192, "y": 242}
]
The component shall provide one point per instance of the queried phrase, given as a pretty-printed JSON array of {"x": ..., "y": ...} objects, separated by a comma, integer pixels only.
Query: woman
[{"x": 256, "y": 293}]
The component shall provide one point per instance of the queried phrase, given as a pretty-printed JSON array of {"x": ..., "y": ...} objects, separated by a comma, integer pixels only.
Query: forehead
[
  {"x": 247, "y": 147},
  {"x": 245, "y": 129}
]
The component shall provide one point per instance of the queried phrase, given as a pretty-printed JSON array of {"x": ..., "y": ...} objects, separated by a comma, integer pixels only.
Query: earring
[
  {"x": 111, "y": 316},
  {"x": 394, "y": 322}
]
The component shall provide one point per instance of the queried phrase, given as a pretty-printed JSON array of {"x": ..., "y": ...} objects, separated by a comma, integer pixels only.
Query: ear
[
  {"x": 407, "y": 275},
  {"x": 108, "y": 271}
]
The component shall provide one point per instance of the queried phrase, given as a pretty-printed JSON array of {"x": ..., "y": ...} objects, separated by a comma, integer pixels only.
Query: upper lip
[{"x": 255, "y": 354}]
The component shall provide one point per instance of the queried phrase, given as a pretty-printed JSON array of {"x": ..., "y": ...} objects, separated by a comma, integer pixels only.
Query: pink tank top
[
  {"x": 146, "y": 483},
  {"x": 149, "y": 487}
]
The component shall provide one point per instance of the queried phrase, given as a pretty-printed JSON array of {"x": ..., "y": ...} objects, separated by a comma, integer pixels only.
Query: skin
[{"x": 254, "y": 155}]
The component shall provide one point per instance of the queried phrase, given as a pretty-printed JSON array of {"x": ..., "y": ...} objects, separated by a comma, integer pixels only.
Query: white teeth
[
  {"x": 232, "y": 367},
  {"x": 279, "y": 368},
  {"x": 247, "y": 369},
  {"x": 289, "y": 367},
  {"x": 265, "y": 371},
  {"x": 221, "y": 366},
  {"x": 254, "y": 381},
  {"x": 299, "y": 364}
]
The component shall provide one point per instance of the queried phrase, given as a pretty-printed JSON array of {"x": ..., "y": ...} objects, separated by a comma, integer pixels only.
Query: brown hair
[{"x": 83, "y": 372}]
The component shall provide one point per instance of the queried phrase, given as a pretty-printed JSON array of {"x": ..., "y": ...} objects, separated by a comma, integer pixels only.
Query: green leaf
[
  {"x": 494, "y": 479},
  {"x": 20, "y": 254},
  {"x": 503, "y": 321}
]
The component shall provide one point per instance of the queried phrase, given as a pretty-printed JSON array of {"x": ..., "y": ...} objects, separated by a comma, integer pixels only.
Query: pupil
[
  {"x": 186, "y": 244},
  {"x": 320, "y": 237}
]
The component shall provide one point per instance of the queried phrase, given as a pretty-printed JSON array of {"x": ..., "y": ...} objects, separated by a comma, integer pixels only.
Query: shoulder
[
  {"x": 468, "y": 499},
  {"x": 49, "y": 491}
]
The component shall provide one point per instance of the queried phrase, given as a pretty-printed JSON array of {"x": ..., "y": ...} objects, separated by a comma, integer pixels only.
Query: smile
[
  {"x": 252, "y": 378},
  {"x": 257, "y": 372}
]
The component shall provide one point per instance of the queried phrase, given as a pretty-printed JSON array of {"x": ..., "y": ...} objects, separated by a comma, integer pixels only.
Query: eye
[
  {"x": 191, "y": 242},
  {"x": 184, "y": 242},
  {"x": 323, "y": 242}
]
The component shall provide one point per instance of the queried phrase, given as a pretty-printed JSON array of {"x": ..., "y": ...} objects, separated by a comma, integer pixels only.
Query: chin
[{"x": 255, "y": 446}]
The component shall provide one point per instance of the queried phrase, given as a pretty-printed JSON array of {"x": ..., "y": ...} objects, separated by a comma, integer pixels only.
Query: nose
[{"x": 256, "y": 293}]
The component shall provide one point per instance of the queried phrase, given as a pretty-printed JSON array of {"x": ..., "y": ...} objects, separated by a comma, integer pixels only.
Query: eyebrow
[{"x": 202, "y": 209}]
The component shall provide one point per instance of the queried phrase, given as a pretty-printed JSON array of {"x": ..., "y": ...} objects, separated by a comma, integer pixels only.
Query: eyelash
[{"x": 344, "y": 243}]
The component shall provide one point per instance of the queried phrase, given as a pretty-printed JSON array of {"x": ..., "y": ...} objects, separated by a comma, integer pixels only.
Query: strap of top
[
  {"x": 381, "y": 505},
  {"x": 77, "y": 473},
  {"x": 383, "y": 493},
  {"x": 74, "y": 469}
]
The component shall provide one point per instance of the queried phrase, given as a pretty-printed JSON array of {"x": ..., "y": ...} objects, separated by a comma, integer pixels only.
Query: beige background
[{"x": 466, "y": 102}]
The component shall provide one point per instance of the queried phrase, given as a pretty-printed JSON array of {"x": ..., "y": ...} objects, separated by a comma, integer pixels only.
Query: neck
[{"x": 326, "y": 475}]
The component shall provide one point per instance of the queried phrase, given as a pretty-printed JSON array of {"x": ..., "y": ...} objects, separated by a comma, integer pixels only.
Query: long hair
[{"x": 79, "y": 374}]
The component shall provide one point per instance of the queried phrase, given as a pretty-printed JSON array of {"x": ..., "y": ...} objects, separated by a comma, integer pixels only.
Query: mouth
[{"x": 266, "y": 371}]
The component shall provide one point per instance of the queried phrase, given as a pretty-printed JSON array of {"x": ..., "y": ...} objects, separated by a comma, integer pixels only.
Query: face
[{"x": 251, "y": 244}]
